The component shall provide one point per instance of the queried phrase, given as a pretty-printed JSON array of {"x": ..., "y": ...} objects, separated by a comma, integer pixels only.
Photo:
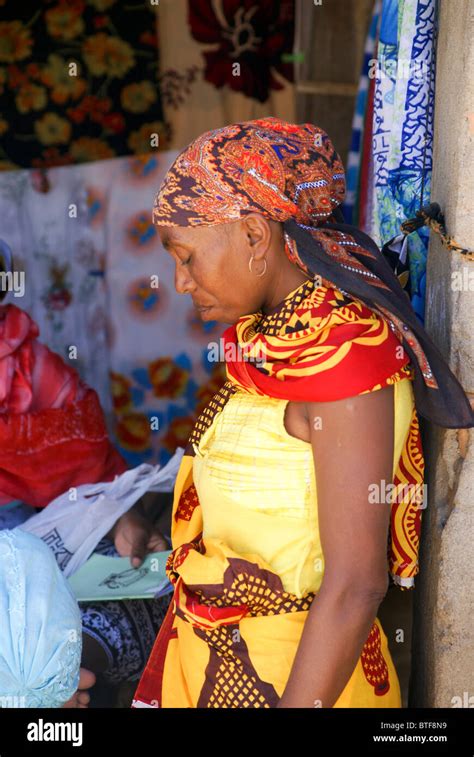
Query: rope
[{"x": 431, "y": 216}]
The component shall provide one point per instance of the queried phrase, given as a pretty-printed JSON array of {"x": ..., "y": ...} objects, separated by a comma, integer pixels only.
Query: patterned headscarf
[{"x": 291, "y": 173}]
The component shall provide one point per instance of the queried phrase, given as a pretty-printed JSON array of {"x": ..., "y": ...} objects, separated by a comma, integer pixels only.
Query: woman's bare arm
[{"x": 352, "y": 441}]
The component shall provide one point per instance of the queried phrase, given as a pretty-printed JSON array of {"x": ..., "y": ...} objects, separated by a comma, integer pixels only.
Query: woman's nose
[{"x": 182, "y": 280}]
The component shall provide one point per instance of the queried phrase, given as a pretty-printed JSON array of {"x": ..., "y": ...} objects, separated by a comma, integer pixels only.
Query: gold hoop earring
[{"x": 264, "y": 270}]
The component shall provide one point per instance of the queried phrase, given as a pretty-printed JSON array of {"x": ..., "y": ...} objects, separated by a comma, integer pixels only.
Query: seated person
[
  {"x": 40, "y": 649},
  {"x": 53, "y": 437}
]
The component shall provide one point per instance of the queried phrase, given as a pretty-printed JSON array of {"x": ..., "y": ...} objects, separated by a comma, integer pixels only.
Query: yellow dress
[
  {"x": 257, "y": 489},
  {"x": 247, "y": 562}
]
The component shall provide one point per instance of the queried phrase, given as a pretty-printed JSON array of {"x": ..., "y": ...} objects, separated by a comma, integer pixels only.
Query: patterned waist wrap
[{"x": 246, "y": 590}]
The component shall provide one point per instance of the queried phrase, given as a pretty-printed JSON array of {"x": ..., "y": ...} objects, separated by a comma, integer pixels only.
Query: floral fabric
[
  {"x": 79, "y": 81},
  {"x": 200, "y": 45},
  {"x": 89, "y": 286}
]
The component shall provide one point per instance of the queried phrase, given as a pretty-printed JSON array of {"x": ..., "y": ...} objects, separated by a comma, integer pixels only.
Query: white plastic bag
[{"x": 72, "y": 528}]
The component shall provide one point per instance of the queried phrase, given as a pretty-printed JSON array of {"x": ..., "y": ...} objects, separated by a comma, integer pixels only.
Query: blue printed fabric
[{"x": 403, "y": 129}]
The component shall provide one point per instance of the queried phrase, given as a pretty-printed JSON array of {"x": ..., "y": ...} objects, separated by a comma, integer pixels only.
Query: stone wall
[{"x": 443, "y": 636}]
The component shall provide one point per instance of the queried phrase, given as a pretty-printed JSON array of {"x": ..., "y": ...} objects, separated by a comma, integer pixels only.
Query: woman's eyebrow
[{"x": 168, "y": 241}]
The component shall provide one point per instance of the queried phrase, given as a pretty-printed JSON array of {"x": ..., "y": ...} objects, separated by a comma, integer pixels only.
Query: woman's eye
[{"x": 185, "y": 262}]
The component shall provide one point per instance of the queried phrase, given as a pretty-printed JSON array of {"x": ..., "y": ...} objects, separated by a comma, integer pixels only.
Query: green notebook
[{"x": 105, "y": 578}]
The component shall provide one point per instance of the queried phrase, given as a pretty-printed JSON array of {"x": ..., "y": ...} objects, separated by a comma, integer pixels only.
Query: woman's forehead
[
  {"x": 187, "y": 235},
  {"x": 170, "y": 235}
]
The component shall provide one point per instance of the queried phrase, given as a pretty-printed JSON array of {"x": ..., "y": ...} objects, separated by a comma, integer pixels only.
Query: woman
[{"x": 277, "y": 580}]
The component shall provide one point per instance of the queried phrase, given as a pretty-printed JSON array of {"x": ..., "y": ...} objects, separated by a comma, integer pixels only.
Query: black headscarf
[{"x": 447, "y": 405}]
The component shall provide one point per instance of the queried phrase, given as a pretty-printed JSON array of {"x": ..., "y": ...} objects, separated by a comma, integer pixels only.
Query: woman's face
[{"x": 212, "y": 266}]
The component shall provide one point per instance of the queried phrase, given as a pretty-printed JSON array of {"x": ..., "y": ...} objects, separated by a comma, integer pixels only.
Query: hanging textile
[
  {"x": 403, "y": 130},
  {"x": 162, "y": 370},
  {"x": 104, "y": 299},
  {"x": 224, "y": 62},
  {"x": 48, "y": 226},
  {"x": 351, "y": 207},
  {"x": 79, "y": 81}
]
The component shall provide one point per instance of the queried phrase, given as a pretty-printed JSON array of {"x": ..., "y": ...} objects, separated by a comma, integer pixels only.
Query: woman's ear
[{"x": 258, "y": 233}]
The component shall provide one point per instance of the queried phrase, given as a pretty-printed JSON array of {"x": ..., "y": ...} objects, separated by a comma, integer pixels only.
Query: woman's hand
[
  {"x": 81, "y": 697},
  {"x": 135, "y": 536}
]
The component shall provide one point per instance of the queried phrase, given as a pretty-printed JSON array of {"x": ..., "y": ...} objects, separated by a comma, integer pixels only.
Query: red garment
[
  {"x": 347, "y": 339},
  {"x": 52, "y": 428}
]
